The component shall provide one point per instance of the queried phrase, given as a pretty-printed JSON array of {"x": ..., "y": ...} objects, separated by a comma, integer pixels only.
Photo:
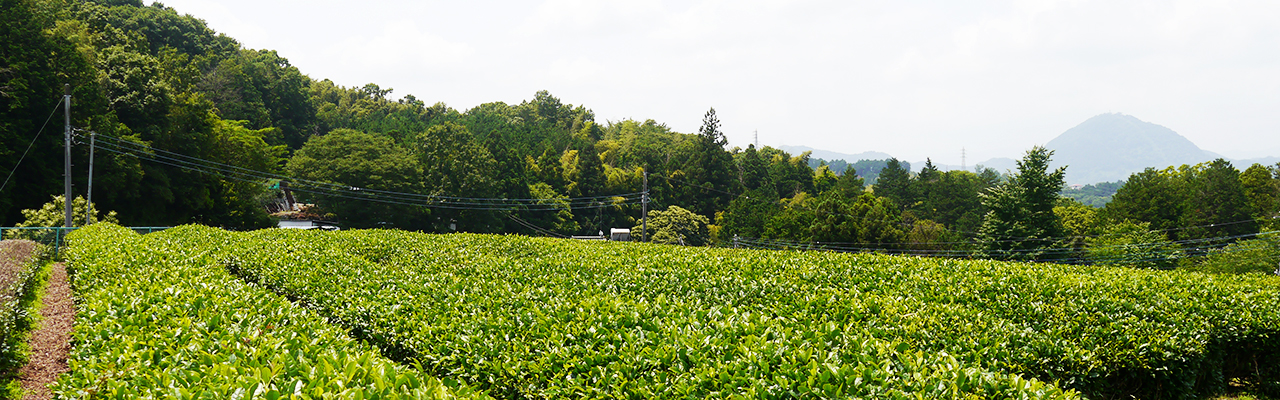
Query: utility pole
[
  {"x": 644, "y": 210},
  {"x": 66, "y": 170},
  {"x": 88, "y": 196}
]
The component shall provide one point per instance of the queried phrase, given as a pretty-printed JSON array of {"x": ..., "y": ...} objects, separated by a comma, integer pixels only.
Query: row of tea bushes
[
  {"x": 21, "y": 273},
  {"x": 157, "y": 318},
  {"x": 531, "y": 318}
]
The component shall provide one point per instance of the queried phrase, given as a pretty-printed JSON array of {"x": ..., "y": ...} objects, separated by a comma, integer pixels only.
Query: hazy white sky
[{"x": 914, "y": 79}]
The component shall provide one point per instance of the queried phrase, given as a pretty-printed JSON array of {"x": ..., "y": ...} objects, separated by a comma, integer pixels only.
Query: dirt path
[{"x": 52, "y": 341}]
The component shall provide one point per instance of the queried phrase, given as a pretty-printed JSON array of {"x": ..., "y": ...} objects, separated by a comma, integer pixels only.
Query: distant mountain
[
  {"x": 831, "y": 155},
  {"x": 1109, "y": 147},
  {"x": 1001, "y": 164},
  {"x": 1105, "y": 148},
  {"x": 1243, "y": 164}
]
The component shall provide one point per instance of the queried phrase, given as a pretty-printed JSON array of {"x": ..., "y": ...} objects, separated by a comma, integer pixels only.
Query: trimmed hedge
[
  {"x": 157, "y": 318},
  {"x": 21, "y": 273},
  {"x": 526, "y": 317},
  {"x": 532, "y": 318}
]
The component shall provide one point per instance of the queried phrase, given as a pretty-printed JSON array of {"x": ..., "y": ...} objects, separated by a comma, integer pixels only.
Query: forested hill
[
  {"x": 193, "y": 128},
  {"x": 150, "y": 81}
]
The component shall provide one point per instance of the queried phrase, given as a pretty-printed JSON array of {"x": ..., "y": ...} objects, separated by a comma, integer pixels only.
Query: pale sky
[{"x": 914, "y": 79}]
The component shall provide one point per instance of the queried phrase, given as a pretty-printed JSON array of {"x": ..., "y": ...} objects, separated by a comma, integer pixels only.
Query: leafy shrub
[
  {"x": 1261, "y": 255},
  {"x": 1134, "y": 245}
]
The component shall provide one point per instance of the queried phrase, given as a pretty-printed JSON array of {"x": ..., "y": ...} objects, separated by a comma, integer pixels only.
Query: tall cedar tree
[
  {"x": 850, "y": 184},
  {"x": 712, "y": 170},
  {"x": 1020, "y": 223},
  {"x": 894, "y": 184},
  {"x": 921, "y": 187},
  {"x": 754, "y": 170}
]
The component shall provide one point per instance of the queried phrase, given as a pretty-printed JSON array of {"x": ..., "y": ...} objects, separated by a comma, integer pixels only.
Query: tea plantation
[{"x": 198, "y": 312}]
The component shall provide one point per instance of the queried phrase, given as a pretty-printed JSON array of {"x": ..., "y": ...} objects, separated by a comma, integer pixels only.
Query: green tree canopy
[
  {"x": 894, "y": 183},
  {"x": 1020, "y": 223},
  {"x": 747, "y": 215},
  {"x": 1259, "y": 255},
  {"x": 34, "y": 64},
  {"x": 453, "y": 164},
  {"x": 555, "y": 214},
  {"x": 676, "y": 225},
  {"x": 850, "y": 184},
  {"x": 1134, "y": 245},
  {"x": 951, "y": 198},
  {"x": 867, "y": 220},
  {"x": 1215, "y": 204},
  {"x": 754, "y": 169},
  {"x": 824, "y": 180},
  {"x": 359, "y": 161},
  {"x": 1152, "y": 196},
  {"x": 1262, "y": 187},
  {"x": 53, "y": 214}
]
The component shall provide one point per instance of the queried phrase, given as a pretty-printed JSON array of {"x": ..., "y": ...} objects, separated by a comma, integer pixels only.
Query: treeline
[
  {"x": 146, "y": 77},
  {"x": 1208, "y": 216},
  {"x": 1096, "y": 195},
  {"x": 1204, "y": 216},
  {"x": 868, "y": 170},
  {"x": 161, "y": 90}
]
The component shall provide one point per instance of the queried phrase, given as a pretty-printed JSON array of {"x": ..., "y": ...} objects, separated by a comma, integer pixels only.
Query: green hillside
[{"x": 191, "y": 127}]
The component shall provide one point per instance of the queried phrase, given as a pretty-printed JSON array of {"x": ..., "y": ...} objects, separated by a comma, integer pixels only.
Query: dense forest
[
  {"x": 191, "y": 127},
  {"x": 869, "y": 170},
  {"x": 1097, "y": 194}
]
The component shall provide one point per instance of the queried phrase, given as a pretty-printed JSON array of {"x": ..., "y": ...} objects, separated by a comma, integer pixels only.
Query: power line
[
  {"x": 535, "y": 228},
  {"x": 228, "y": 171},
  {"x": 33, "y": 142},
  {"x": 320, "y": 184},
  {"x": 142, "y": 151},
  {"x": 369, "y": 197}
]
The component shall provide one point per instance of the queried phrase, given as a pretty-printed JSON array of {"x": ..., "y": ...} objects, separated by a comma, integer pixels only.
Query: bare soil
[{"x": 51, "y": 343}]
